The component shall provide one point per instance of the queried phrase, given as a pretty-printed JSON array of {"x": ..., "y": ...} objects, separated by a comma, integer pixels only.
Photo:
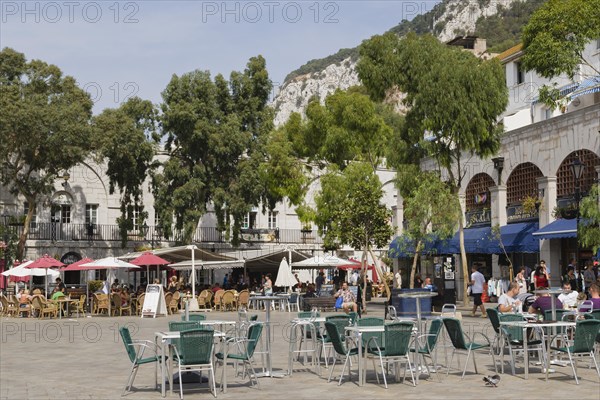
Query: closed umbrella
[
  {"x": 284, "y": 275},
  {"x": 109, "y": 263}
]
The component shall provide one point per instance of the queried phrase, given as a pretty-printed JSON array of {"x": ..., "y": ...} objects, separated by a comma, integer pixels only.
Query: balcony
[{"x": 63, "y": 232}]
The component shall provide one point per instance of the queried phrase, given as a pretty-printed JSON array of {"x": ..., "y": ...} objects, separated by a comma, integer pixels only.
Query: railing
[{"x": 63, "y": 232}]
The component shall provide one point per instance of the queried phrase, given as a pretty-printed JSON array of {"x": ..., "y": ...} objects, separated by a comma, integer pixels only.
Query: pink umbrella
[
  {"x": 76, "y": 266},
  {"x": 148, "y": 259},
  {"x": 46, "y": 262}
]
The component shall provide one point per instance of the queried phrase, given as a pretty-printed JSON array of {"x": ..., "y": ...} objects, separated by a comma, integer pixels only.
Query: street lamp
[
  {"x": 577, "y": 168},
  {"x": 157, "y": 229},
  {"x": 499, "y": 166}
]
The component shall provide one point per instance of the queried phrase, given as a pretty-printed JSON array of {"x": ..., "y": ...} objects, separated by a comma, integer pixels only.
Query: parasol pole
[{"x": 193, "y": 302}]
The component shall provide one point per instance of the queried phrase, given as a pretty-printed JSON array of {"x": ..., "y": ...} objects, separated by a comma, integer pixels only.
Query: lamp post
[
  {"x": 577, "y": 168},
  {"x": 499, "y": 166},
  {"x": 157, "y": 229}
]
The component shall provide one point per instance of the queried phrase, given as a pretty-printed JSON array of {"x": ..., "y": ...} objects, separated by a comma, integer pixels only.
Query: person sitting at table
[
  {"x": 172, "y": 287},
  {"x": 595, "y": 295},
  {"x": 427, "y": 284},
  {"x": 348, "y": 299},
  {"x": 57, "y": 294},
  {"x": 568, "y": 299},
  {"x": 24, "y": 298},
  {"x": 268, "y": 286},
  {"x": 125, "y": 297},
  {"x": 544, "y": 303},
  {"x": 508, "y": 301}
]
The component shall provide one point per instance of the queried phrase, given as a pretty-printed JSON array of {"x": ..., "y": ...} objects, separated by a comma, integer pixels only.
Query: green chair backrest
[
  {"x": 514, "y": 333},
  {"x": 434, "y": 332},
  {"x": 494, "y": 317},
  {"x": 196, "y": 346},
  {"x": 397, "y": 337},
  {"x": 585, "y": 335},
  {"x": 335, "y": 337},
  {"x": 180, "y": 326},
  {"x": 195, "y": 317},
  {"x": 126, "y": 336},
  {"x": 371, "y": 321},
  {"x": 254, "y": 333},
  {"x": 455, "y": 332},
  {"x": 341, "y": 322},
  {"x": 559, "y": 314},
  {"x": 254, "y": 317},
  {"x": 595, "y": 314},
  {"x": 353, "y": 317},
  {"x": 307, "y": 314}
]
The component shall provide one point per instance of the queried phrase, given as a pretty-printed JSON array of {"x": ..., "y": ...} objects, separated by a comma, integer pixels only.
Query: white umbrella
[
  {"x": 22, "y": 270},
  {"x": 110, "y": 263},
  {"x": 284, "y": 275}
]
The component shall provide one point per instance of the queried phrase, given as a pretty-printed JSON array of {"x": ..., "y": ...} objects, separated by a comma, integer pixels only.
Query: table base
[{"x": 268, "y": 374}]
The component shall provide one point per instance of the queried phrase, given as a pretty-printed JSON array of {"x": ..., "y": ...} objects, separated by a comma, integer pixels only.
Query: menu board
[{"x": 154, "y": 302}]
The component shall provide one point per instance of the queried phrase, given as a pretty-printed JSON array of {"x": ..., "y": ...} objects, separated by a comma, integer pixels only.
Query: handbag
[{"x": 339, "y": 302}]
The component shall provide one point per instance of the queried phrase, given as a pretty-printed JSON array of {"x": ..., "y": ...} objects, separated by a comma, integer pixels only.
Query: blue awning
[
  {"x": 559, "y": 229},
  {"x": 517, "y": 238}
]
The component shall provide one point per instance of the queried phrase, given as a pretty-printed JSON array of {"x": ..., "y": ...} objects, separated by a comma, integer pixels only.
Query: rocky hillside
[{"x": 498, "y": 21}]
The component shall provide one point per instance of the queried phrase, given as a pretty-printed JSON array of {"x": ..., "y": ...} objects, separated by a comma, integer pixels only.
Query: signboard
[
  {"x": 481, "y": 217},
  {"x": 154, "y": 302},
  {"x": 259, "y": 235},
  {"x": 518, "y": 214},
  {"x": 326, "y": 291}
]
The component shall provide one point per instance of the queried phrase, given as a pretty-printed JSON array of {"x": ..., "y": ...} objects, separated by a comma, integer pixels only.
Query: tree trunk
[
  {"x": 25, "y": 232},
  {"x": 364, "y": 278},
  {"x": 380, "y": 274},
  {"x": 463, "y": 261},
  {"x": 413, "y": 269}
]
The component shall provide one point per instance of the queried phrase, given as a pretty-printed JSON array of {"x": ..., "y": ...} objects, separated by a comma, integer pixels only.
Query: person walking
[{"x": 477, "y": 282}]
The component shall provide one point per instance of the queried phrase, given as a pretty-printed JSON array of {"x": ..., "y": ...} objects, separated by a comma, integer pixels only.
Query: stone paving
[{"x": 84, "y": 358}]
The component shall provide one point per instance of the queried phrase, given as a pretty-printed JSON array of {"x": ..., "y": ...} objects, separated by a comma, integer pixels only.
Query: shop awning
[
  {"x": 517, "y": 238},
  {"x": 559, "y": 229}
]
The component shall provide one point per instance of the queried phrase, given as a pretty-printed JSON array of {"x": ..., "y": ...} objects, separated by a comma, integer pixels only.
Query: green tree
[
  {"x": 554, "y": 41},
  {"x": 339, "y": 145},
  {"x": 215, "y": 138},
  {"x": 44, "y": 128},
  {"x": 454, "y": 101},
  {"x": 432, "y": 211},
  {"x": 125, "y": 140},
  {"x": 589, "y": 227}
]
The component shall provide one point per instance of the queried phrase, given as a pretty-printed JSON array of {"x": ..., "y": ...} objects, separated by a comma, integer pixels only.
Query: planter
[{"x": 568, "y": 214}]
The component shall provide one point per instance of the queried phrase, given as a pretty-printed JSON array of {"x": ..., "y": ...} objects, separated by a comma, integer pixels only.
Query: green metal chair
[
  {"x": 394, "y": 348},
  {"x": 245, "y": 352},
  {"x": 180, "y": 326},
  {"x": 494, "y": 317},
  {"x": 371, "y": 321},
  {"x": 513, "y": 337},
  {"x": 457, "y": 337},
  {"x": 194, "y": 317},
  {"x": 426, "y": 344},
  {"x": 341, "y": 322},
  {"x": 195, "y": 353},
  {"x": 583, "y": 343},
  {"x": 340, "y": 349},
  {"x": 137, "y": 356}
]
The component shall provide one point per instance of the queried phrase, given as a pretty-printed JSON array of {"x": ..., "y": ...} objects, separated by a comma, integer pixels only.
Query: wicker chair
[
  {"x": 8, "y": 309},
  {"x": 204, "y": 299},
  {"x": 168, "y": 298},
  {"x": 43, "y": 307},
  {"x": 228, "y": 301},
  {"x": 79, "y": 305},
  {"x": 140, "y": 304},
  {"x": 116, "y": 305},
  {"x": 174, "y": 303},
  {"x": 100, "y": 303},
  {"x": 243, "y": 299},
  {"x": 218, "y": 297}
]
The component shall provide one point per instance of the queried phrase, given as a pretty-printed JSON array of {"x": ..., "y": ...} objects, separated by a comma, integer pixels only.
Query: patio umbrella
[
  {"x": 46, "y": 262},
  {"x": 110, "y": 263},
  {"x": 22, "y": 271},
  {"x": 148, "y": 259},
  {"x": 284, "y": 275},
  {"x": 76, "y": 266},
  {"x": 324, "y": 262}
]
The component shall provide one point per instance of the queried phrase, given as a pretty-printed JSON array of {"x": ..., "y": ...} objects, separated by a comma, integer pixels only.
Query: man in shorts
[
  {"x": 348, "y": 299},
  {"x": 477, "y": 282}
]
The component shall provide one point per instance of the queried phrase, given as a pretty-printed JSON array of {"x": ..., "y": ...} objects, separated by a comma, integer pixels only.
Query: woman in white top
[
  {"x": 520, "y": 279},
  {"x": 268, "y": 286}
]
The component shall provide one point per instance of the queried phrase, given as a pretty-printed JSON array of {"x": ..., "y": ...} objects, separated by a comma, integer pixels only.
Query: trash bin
[{"x": 407, "y": 307}]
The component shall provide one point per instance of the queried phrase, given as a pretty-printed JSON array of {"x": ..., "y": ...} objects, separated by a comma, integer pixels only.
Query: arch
[
  {"x": 478, "y": 191},
  {"x": 565, "y": 181},
  {"x": 522, "y": 182}
]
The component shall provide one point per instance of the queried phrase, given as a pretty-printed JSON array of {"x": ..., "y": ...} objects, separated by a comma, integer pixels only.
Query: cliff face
[{"x": 456, "y": 17}]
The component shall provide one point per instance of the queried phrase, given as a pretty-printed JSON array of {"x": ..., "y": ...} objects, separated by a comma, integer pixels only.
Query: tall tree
[
  {"x": 335, "y": 153},
  {"x": 554, "y": 42},
  {"x": 124, "y": 138},
  {"x": 44, "y": 128},
  {"x": 215, "y": 137},
  {"x": 453, "y": 98},
  {"x": 431, "y": 210},
  {"x": 589, "y": 227}
]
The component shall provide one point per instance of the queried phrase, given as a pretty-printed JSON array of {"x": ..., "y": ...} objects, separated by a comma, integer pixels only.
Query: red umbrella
[
  {"x": 76, "y": 266},
  {"x": 149, "y": 259},
  {"x": 46, "y": 262}
]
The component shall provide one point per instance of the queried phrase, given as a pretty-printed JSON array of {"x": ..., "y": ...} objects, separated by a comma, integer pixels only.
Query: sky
[{"x": 119, "y": 49}]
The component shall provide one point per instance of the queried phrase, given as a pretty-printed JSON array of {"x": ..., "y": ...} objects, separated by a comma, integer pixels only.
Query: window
[
  {"x": 61, "y": 213},
  {"x": 520, "y": 73},
  {"x": 249, "y": 221},
  {"x": 137, "y": 210},
  {"x": 272, "y": 222},
  {"x": 548, "y": 113},
  {"x": 33, "y": 224},
  {"x": 91, "y": 214}
]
